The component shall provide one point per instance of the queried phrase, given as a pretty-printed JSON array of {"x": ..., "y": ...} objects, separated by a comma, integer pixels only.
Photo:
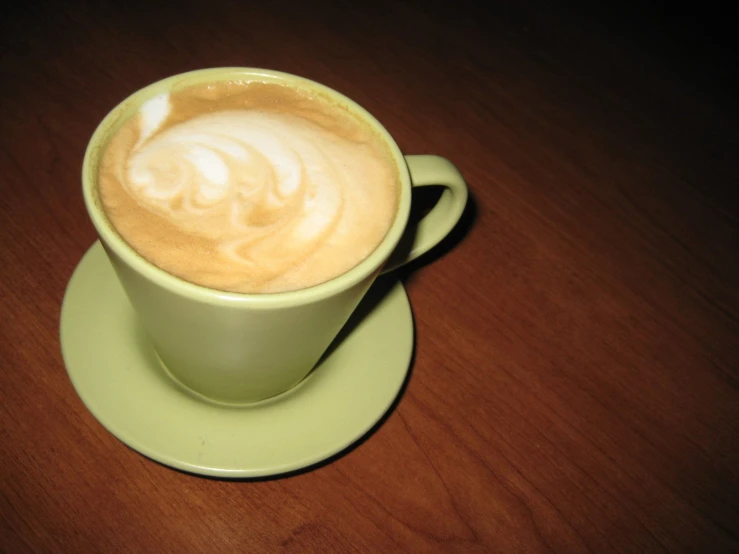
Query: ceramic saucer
[{"x": 116, "y": 374}]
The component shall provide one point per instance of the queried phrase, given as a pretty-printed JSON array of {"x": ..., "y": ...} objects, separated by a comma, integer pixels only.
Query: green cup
[{"x": 240, "y": 348}]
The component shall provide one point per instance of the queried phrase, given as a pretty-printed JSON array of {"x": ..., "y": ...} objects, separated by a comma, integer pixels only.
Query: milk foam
[{"x": 266, "y": 190}]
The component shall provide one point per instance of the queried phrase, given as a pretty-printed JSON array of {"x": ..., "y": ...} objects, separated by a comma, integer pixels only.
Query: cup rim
[{"x": 113, "y": 241}]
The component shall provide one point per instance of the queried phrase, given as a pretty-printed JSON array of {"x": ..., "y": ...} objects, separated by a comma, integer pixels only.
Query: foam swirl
[{"x": 258, "y": 184}]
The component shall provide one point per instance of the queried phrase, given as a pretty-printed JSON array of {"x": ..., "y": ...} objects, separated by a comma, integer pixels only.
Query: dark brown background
[{"x": 575, "y": 381}]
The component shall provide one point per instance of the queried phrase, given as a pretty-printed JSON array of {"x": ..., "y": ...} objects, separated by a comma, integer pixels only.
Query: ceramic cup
[{"x": 240, "y": 348}]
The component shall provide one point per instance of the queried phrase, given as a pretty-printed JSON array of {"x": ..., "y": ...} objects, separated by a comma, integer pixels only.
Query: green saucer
[{"x": 116, "y": 374}]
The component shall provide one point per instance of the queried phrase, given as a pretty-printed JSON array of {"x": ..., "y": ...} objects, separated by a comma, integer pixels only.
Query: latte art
[
  {"x": 261, "y": 200},
  {"x": 252, "y": 182}
]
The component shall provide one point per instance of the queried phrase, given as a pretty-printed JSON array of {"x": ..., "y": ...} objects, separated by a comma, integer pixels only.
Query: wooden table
[{"x": 575, "y": 380}]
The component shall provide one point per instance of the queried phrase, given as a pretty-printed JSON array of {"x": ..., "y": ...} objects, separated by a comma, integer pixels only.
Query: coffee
[{"x": 249, "y": 186}]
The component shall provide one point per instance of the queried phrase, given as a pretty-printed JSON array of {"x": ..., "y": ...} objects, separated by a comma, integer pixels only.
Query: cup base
[
  {"x": 118, "y": 376},
  {"x": 215, "y": 401}
]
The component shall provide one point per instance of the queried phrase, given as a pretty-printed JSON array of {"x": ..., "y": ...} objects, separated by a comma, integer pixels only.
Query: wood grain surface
[{"x": 575, "y": 385}]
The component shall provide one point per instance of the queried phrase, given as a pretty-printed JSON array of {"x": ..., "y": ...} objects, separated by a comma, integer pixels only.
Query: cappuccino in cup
[
  {"x": 248, "y": 182},
  {"x": 248, "y": 186}
]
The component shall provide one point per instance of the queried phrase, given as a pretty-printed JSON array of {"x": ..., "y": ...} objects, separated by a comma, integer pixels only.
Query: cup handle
[{"x": 424, "y": 171}]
